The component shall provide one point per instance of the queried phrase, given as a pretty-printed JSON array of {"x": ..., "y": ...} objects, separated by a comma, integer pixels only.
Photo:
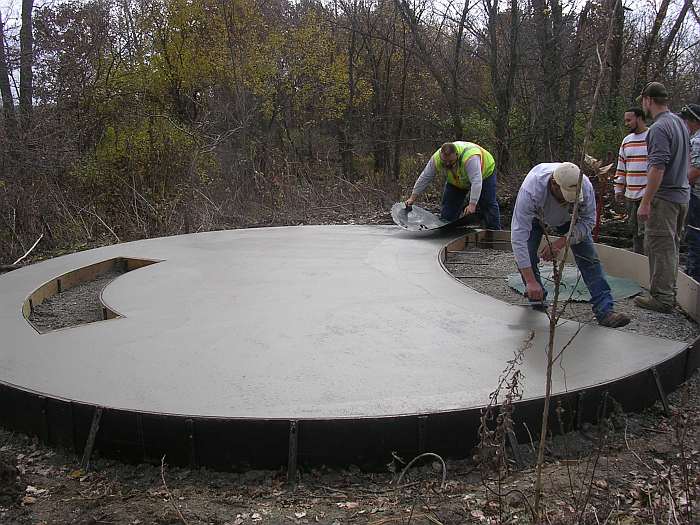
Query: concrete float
[{"x": 303, "y": 345}]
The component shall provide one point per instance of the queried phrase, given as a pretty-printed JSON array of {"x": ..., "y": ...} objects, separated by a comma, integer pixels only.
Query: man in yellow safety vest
[{"x": 469, "y": 170}]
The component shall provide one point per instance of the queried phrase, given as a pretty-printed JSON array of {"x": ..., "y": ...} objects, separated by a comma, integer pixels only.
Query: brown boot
[
  {"x": 651, "y": 303},
  {"x": 614, "y": 320}
]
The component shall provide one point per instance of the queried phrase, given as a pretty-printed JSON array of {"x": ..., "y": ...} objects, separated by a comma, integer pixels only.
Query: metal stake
[
  {"x": 189, "y": 423},
  {"x": 293, "y": 454},
  {"x": 90, "y": 443},
  {"x": 513, "y": 442},
  {"x": 661, "y": 392},
  {"x": 422, "y": 433}
]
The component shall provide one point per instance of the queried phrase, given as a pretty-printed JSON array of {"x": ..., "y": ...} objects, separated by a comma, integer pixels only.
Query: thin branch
[
  {"x": 29, "y": 250},
  {"x": 574, "y": 218},
  {"x": 426, "y": 454},
  {"x": 167, "y": 491},
  {"x": 91, "y": 212}
]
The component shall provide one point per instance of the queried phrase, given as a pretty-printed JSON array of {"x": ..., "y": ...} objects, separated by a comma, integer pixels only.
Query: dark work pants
[{"x": 453, "y": 202}]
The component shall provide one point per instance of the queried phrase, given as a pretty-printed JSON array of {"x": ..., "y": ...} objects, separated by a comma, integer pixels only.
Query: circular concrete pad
[{"x": 296, "y": 323}]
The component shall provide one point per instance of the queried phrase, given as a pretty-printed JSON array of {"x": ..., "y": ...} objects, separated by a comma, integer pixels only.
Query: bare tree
[
  {"x": 387, "y": 54},
  {"x": 8, "y": 105},
  {"x": 615, "y": 59},
  {"x": 503, "y": 74},
  {"x": 649, "y": 45},
  {"x": 26, "y": 60},
  {"x": 577, "y": 65},
  {"x": 547, "y": 19},
  {"x": 345, "y": 126},
  {"x": 444, "y": 67},
  {"x": 668, "y": 41}
]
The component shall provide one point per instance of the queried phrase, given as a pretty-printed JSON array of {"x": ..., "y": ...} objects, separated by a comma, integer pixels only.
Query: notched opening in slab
[{"x": 75, "y": 298}]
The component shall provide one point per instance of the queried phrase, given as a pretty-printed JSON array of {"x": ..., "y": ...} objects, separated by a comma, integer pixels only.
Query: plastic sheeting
[{"x": 572, "y": 285}]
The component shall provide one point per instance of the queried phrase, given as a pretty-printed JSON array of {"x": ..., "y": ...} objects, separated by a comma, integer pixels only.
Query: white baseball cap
[{"x": 566, "y": 176}]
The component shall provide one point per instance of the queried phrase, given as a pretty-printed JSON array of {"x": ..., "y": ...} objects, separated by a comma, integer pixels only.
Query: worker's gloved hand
[
  {"x": 534, "y": 292},
  {"x": 409, "y": 203}
]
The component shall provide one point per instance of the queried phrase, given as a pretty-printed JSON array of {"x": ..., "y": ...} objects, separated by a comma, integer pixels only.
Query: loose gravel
[
  {"x": 75, "y": 306},
  {"x": 487, "y": 270}
]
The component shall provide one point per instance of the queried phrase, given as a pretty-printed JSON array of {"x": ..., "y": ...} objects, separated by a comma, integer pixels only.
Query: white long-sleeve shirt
[
  {"x": 535, "y": 201},
  {"x": 473, "y": 168}
]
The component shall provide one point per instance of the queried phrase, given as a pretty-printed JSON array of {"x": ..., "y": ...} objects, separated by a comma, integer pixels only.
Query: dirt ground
[{"x": 629, "y": 469}]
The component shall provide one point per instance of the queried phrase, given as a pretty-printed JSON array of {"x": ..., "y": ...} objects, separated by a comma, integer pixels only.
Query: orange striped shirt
[{"x": 631, "y": 174}]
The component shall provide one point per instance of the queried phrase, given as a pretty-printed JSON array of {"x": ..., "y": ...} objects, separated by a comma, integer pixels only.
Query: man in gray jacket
[
  {"x": 544, "y": 202},
  {"x": 665, "y": 202},
  {"x": 690, "y": 113}
]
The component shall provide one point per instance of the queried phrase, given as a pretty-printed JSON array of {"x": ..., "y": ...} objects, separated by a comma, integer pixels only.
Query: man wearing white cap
[{"x": 545, "y": 200}]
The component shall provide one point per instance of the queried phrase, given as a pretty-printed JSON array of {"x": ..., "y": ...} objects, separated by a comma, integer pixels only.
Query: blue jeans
[
  {"x": 453, "y": 203},
  {"x": 692, "y": 237},
  {"x": 588, "y": 264}
]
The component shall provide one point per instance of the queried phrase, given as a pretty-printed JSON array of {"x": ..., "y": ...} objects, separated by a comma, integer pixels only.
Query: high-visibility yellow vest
[{"x": 457, "y": 176}]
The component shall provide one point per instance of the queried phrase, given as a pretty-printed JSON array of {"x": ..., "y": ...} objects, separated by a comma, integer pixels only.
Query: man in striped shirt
[{"x": 631, "y": 174}]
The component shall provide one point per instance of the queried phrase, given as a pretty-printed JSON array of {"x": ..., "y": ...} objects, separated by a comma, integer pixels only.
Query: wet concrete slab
[{"x": 296, "y": 323}]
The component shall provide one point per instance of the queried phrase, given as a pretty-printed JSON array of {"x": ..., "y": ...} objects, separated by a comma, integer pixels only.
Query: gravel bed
[
  {"x": 487, "y": 270},
  {"x": 75, "y": 306}
]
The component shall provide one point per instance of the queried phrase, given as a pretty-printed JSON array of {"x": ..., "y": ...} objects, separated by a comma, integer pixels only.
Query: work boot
[
  {"x": 614, "y": 320},
  {"x": 649, "y": 302}
]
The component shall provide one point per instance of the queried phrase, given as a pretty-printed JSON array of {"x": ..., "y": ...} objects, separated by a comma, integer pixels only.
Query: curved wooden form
[{"x": 78, "y": 276}]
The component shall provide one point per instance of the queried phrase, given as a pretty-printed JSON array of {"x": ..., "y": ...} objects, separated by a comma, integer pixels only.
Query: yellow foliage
[{"x": 316, "y": 74}]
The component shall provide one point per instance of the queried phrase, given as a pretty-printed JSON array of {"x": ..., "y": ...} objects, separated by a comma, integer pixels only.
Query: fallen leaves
[
  {"x": 32, "y": 495},
  {"x": 33, "y": 491},
  {"x": 76, "y": 474},
  {"x": 601, "y": 484},
  {"x": 28, "y": 500}
]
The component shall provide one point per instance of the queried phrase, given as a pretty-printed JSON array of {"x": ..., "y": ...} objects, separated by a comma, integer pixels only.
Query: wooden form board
[{"x": 75, "y": 277}]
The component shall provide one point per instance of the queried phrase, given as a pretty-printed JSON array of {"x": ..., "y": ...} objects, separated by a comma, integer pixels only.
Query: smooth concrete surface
[{"x": 294, "y": 323}]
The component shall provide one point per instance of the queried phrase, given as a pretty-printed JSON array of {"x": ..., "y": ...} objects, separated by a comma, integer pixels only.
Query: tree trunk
[
  {"x": 547, "y": 29},
  {"x": 577, "y": 63},
  {"x": 649, "y": 45},
  {"x": 663, "y": 54},
  {"x": 455, "y": 103},
  {"x": 503, "y": 79},
  {"x": 8, "y": 105},
  {"x": 345, "y": 151},
  {"x": 380, "y": 64},
  {"x": 615, "y": 53},
  {"x": 26, "y": 60},
  {"x": 398, "y": 131},
  {"x": 347, "y": 126},
  {"x": 399, "y": 118}
]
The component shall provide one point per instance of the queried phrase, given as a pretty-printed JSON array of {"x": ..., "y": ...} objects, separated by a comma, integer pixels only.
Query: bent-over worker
[
  {"x": 545, "y": 200},
  {"x": 469, "y": 170}
]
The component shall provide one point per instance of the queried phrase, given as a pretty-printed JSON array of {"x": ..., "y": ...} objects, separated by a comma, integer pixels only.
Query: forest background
[{"x": 125, "y": 119}]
